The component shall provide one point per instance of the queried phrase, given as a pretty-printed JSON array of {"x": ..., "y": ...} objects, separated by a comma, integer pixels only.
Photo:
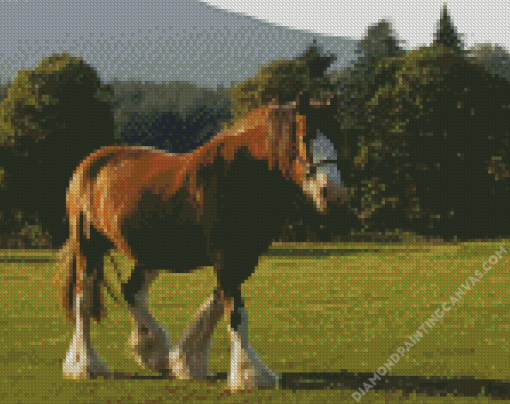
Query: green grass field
[{"x": 342, "y": 314}]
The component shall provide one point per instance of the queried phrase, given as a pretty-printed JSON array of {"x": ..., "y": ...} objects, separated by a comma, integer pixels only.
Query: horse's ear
[
  {"x": 303, "y": 102},
  {"x": 334, "y": 104},
  {"x": 328, "y": 109}
]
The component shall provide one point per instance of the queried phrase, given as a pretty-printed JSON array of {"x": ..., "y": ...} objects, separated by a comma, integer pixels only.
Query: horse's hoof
[
  {"x": 261, "y": 379},
  {"x": 150, "y": 352},
  {"x": 183, "y": 371},
  {"x": 76, "y": 368}
]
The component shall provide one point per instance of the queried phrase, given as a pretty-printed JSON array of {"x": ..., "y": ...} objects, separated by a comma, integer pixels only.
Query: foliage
[
  {"x": 283, "y": 80},
  {"x": 20, "y": 230},
  {"x": 167, "y": 130},
  {"x": 433, "y": 154},
  {"x": 50, "y": 120},
  {"x": 447, "y": 35},
  {"x": 360, "y": 80},
  {"x": 168, "y": 115},
  {"x": 494, "y": 58},
  {"x": 380, "y": 41},
  {"x": 4, "y": 90},
  {"x": 30, "y": 111}
]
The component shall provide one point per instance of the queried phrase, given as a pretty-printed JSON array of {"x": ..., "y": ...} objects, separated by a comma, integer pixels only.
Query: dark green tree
[
  {"x": 317, "y": 63},
  {"x": 433, "y": 156},
  {"x": 364, "y": 78},
  {"x": 380, "y": 41},
  {"x": 283, "y": 80},
  {"x": 446, "y": 34},
  {"x": 50, "y": 120}
]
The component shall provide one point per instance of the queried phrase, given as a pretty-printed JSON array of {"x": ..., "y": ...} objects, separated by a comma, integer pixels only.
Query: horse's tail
[
  {"x": 72, "y": 266},
  {"x": 72, "y": 262}
]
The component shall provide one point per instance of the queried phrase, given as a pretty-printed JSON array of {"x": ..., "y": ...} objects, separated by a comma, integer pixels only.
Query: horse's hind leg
[
  {"x": 189, "y": 359},
  {"x": 149, "y": 343},
  {"x": 82, "y": 360}
]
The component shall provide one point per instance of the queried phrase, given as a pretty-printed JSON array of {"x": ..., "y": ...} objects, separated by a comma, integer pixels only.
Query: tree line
[{"x": 424, "y": 134}]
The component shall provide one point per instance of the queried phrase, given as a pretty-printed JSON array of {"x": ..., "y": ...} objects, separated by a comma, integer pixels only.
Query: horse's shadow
[{"x": 433, "y": 386}]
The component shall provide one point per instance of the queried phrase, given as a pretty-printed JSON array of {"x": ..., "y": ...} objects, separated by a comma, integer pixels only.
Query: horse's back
[{"x": 109, "y": 183}]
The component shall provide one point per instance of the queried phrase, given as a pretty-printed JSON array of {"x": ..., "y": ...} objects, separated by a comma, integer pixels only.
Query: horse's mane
[{"x": 266, "y": 133}]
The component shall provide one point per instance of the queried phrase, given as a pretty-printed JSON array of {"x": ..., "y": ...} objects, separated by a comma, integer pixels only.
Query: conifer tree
[
  {"x": 362, "y": 81},
  {"x": 447, "y": 35}
]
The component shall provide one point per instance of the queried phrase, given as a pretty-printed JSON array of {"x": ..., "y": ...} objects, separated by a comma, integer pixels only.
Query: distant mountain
[{"x": 179, "y": 40}]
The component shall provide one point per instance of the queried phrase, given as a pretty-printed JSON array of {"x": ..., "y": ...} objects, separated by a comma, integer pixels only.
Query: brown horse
[{"x": 221, "y": 205}]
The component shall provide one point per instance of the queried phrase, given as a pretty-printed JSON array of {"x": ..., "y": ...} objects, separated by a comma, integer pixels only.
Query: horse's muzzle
[
  {"x": 327, "y": 191},
  {"x": 335, "y": 192}
]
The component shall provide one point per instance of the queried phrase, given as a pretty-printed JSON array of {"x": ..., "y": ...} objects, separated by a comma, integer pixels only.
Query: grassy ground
[{"x": 333, "y": 318}]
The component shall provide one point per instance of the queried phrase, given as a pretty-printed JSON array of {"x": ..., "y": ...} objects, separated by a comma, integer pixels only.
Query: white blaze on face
[
  {"x": 314, "y": 186},
  {"x": 327, "y": 176}
]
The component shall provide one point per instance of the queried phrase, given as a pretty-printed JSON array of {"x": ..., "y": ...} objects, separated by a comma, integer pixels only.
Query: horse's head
[{"x": 317, "y": 146}]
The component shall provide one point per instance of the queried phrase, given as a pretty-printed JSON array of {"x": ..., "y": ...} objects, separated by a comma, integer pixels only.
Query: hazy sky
[
  {"x": 219, "y": 41},
  {"x": 156, "y": 40},
  {"x": 413, "y": 20}
]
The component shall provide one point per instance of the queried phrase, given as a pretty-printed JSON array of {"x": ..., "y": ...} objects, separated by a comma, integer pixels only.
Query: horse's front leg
[
  {"x": 189, "y": 359},
  {"x": 246, "y": 368}
]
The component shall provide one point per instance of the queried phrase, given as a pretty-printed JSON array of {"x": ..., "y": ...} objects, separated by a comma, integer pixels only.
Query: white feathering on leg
[{"x": 246, "y": 368}]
